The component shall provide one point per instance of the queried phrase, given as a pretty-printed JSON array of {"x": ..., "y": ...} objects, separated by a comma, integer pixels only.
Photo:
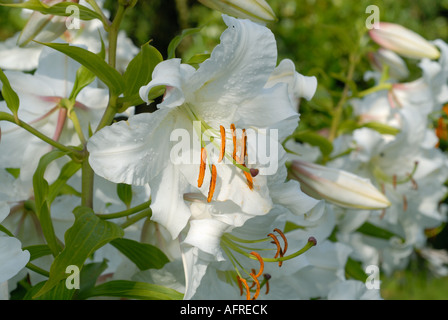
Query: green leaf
[
  {"x": 88, "y": 234},
  {"x": 59, "y": 9},
  {"x": 372, "y": 230},
  {"x": 178, "y": 39},
  {"x": 314, "y": 139},
  {"x": 67, "y": 171},
  {"x": 124, "y": 192},
  {"x": 41, "y": 188},
  {"x": 58, "y": 292},
  {"x": 84, "y": 77},
  {"x": 89, "y": 275},
  {"x": 354, "y": 270},
  {"x": 38, "y": 250},
  {"x": 144, "y": 255},
  {"x": 139, "y": 71},
  {"x": 110, "y": 76},
  {"x": 40, "y": 185},
  {"x": 10, "y": 96},
  {"x": 197, "y": 59},
  {"x": 132, "y": 290}
]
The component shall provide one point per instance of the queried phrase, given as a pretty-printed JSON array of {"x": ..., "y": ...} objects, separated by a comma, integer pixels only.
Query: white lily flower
[
  {"x": 403, "y": 41},
  {"x": 41, "y": 95},
  {"x": 256, "y": 10},
  {"x": 299, "y": 86},
  {"x": 338, "y": 186},
  {"x": 12, "y": 257},
  {"x": 225, "y": 95}
]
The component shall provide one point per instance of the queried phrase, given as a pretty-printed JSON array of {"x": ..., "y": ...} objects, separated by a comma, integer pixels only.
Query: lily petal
[
  {"x": 238, "y": 67},
  {"x": 132, "y": 151}
]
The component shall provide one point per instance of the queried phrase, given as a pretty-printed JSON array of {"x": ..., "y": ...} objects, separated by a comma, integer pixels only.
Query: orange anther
[
  {"x": 266, "y": 278},
  {"x": 240, "y": 285},
  {"x": 260, "y": 259},
  {"x": 202, "y": 166},
  {"x": 223, "y": 143},
  {"x": 250, "y": 181},
  {"x": 284, "y": 239},
  {"x": 279, "y": 248},
  {"x": 257, "y": 291},
  {"x": 244, "y": 282},
  {"x": 212, "y": 184},
  {"x": 244, "y": 147},
  {"x": 405, "y": 203},
  {"x": 232, "y": 127},
  {"x": 394, "y": 181}
]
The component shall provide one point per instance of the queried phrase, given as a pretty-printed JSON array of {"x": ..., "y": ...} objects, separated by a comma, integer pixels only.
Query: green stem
[
  {"x": 125, "y": 213},
  {"x": 136, "y": 218},
  {"x": 113, "y": 35},
  {"x": 104, "y": 19},
  {"x": 10, "y": 118},
  {"x": 76, "y": 124},
  {"x": 37, "y": 269},
  {"x": 380, "y": 87},
  {"x": 340, "y": 106},
  {"x": 87, "y": 180}
]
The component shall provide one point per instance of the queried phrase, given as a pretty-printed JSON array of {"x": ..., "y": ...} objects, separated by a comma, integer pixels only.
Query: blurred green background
[{"x": 319, "y": 36}]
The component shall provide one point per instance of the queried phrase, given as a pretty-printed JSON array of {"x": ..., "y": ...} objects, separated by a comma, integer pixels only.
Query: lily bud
[
  {"x": 397, "y": 67},
  {"x": 255, "y": 10},
  {"x": 43, "y": 27},
  {"x": 339, "y": 187},
  {"x": 403, "y": 41}
]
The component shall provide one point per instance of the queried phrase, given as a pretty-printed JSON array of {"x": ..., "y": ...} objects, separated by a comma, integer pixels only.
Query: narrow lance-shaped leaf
[
  {"x": 139, "y": 71},
  {"x": 59, "y": 9},
  {"x": 144, "y": 255},
  {"x": 88, "y": 234},
  {"x": 98, "y": 66},
  {"x": 178, "y": 39},
  {"x": 11, "y": 98},
  {"x": 42, "y": 205},
  {"x": 133, "y": 290}
]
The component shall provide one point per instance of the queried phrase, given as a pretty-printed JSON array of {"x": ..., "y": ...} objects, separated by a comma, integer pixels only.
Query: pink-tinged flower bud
[
  {"x": 339, "y": 187},
  {"x": 255, "y": 10},
  {"x": 403, "y": 41},
  {"x": 43, "y": 27}
]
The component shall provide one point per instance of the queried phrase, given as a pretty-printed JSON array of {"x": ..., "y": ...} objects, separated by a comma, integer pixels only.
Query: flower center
[
  {"x": 235, "y": 247},
  {"x": 218, "y": 139}
]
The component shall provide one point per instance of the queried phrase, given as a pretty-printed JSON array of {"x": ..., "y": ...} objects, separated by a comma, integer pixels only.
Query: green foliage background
[{"x": 318, "y": 35}]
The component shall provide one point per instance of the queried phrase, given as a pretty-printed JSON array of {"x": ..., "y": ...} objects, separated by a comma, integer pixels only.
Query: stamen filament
[{"x": 212, "y": 184}]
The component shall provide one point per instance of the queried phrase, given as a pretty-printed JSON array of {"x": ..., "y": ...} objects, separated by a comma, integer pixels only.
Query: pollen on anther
[
  {"x": 257, "y": 290},
  {"x": 202, "y": 167},
  {"x": 244, "y": 282},
  {"x": 232, "y": 127},
  {"x": 223, "y": 143},
  {"x": 211, "y": 190},
  {"x": 260, "y": 259},
  {"x": 284, "y": 239},
  {"x": 279, "y": 248}
]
